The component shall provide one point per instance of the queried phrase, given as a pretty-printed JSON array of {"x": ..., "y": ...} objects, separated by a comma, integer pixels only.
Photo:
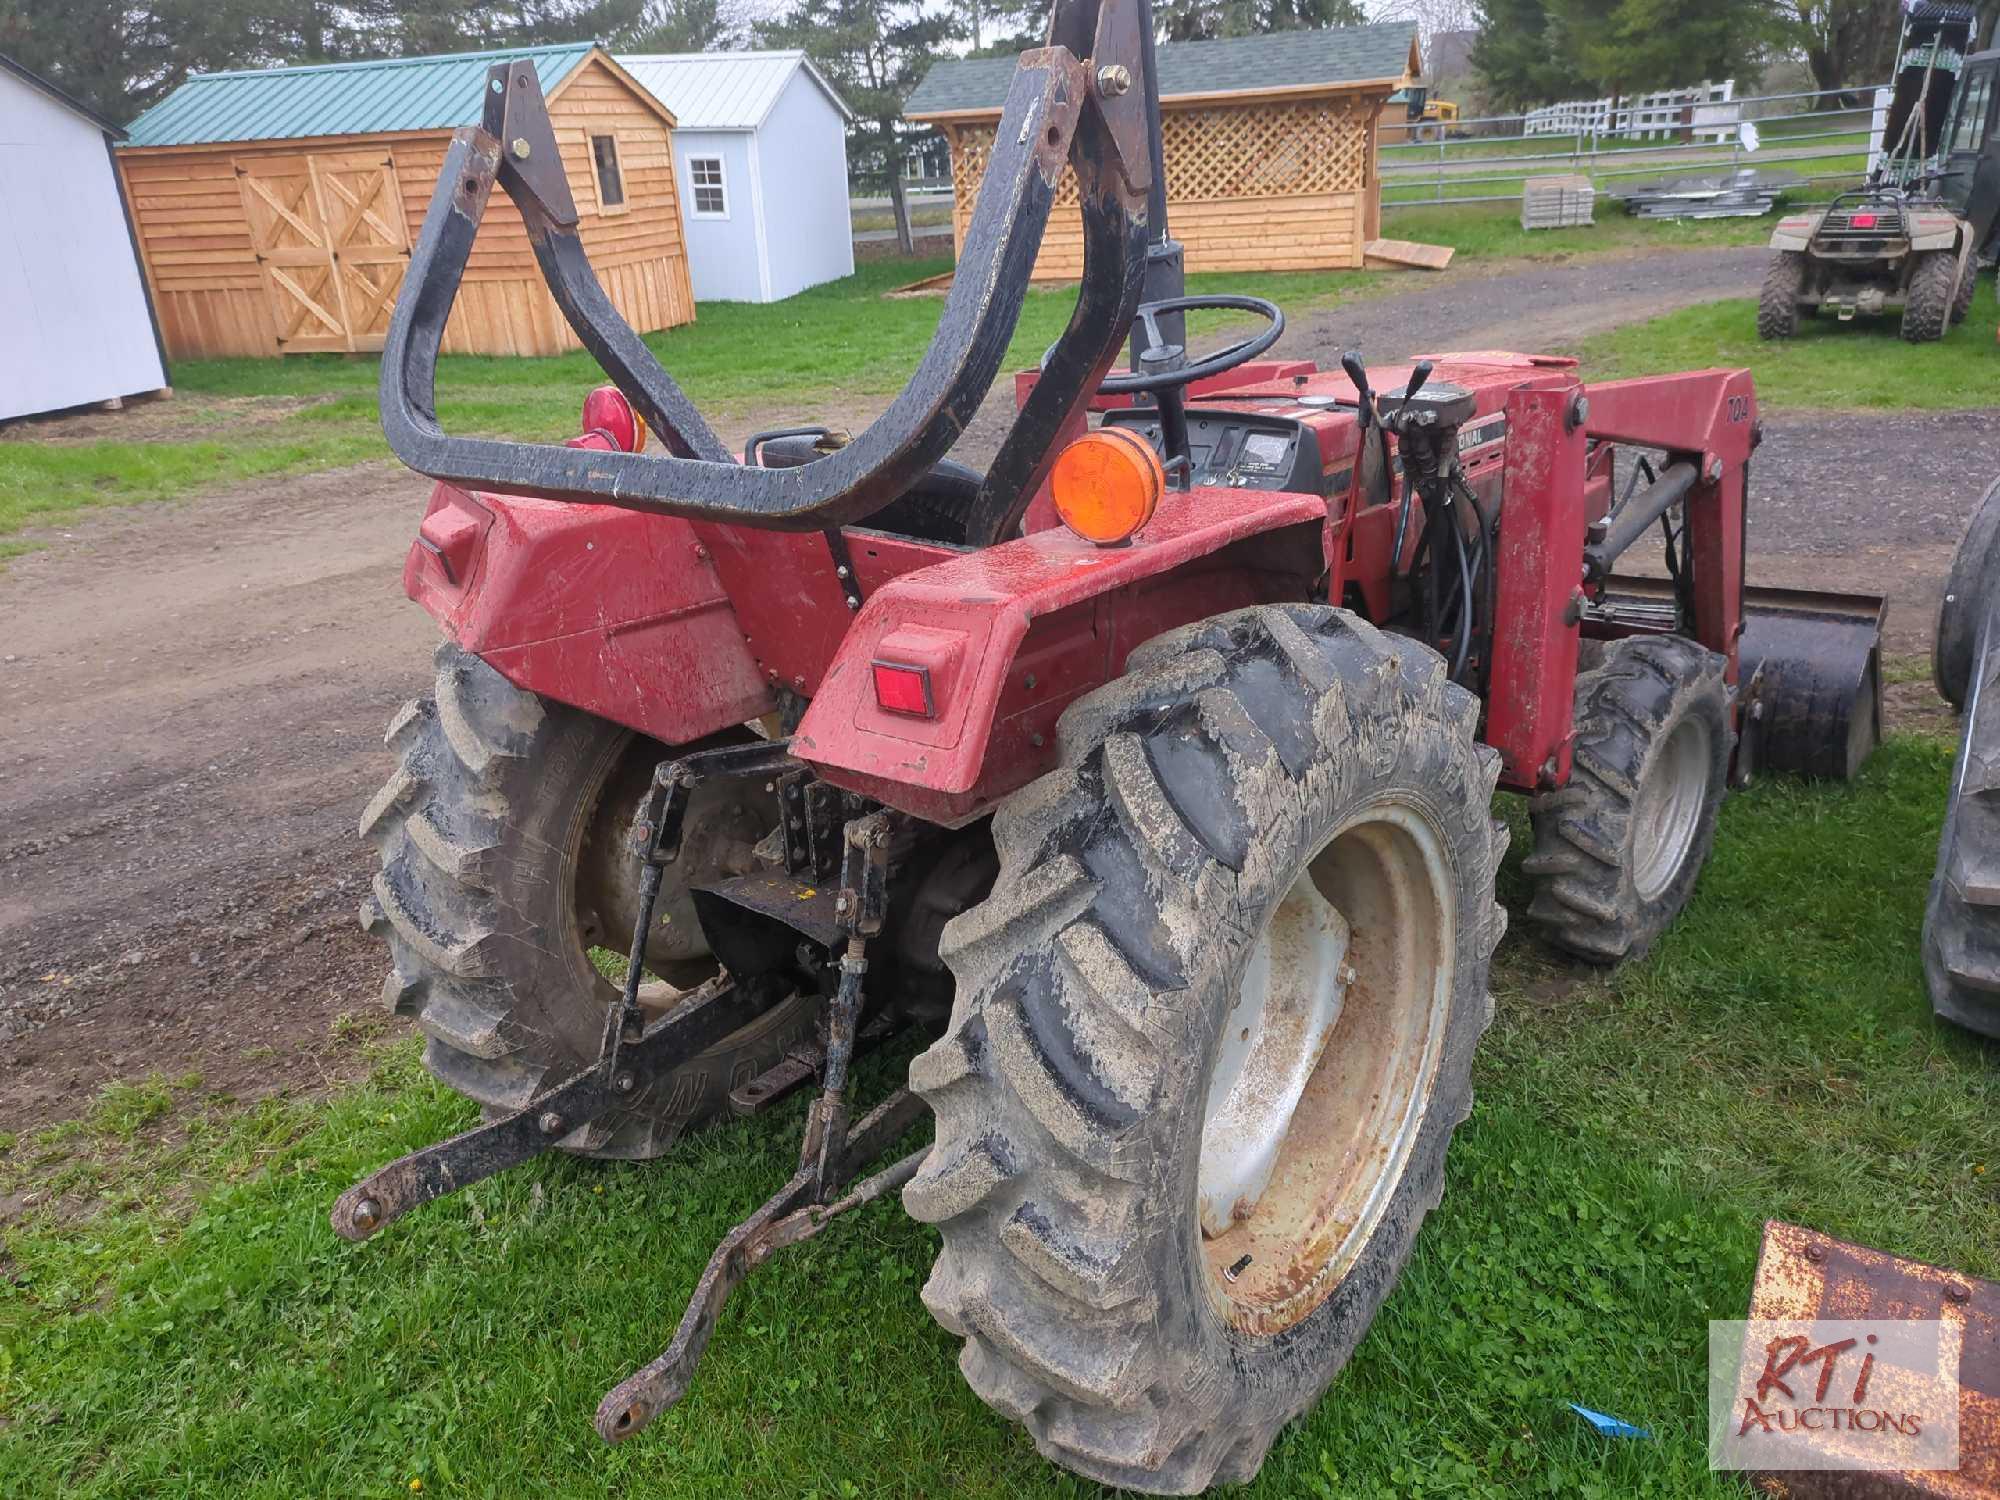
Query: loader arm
[{"x": 1052, "y": 115}]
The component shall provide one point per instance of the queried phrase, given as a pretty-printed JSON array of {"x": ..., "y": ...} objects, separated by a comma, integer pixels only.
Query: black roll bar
[{"x": 1053, "y": 114}]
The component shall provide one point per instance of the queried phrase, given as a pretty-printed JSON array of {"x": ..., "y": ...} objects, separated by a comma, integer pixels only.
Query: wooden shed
[
  {"x": 1269, "y": 144},
  {"x": 275, "y": 209}
]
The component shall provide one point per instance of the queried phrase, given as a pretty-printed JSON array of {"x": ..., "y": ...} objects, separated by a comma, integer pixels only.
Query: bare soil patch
[{"x": 165, "y": 419}]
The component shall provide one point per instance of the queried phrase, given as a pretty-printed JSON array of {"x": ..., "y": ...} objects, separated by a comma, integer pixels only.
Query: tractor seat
[{"x": 934, "y": 509}]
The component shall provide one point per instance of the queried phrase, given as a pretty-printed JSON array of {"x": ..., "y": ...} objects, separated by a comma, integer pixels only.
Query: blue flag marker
[{"x": 1608, "y": 1426}]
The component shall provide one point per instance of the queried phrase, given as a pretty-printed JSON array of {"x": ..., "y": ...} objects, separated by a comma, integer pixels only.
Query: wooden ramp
[
  {"x": 930, "y": 286},
  {"x": 1404, "y": 255}
]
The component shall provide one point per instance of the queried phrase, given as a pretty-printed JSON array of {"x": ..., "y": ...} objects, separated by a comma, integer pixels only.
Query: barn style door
[
  {"x": 364, "y": 219},
  {"x": 328, "y": 232}
]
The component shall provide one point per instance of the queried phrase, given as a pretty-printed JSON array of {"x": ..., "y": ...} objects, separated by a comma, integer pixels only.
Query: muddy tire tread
[
  {"x": 1778, "y": 302},
  {"x": 1961, "y": 940},
  {"x": 1038, "y": 1180},
  {"x": 1927, "y": 304},
  {"x": 448, "y": 900},
  {"x": 1584, "y": 901}
]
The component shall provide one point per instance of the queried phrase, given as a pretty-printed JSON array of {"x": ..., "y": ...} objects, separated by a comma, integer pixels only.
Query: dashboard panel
[{"x": 1239, "y": 450}]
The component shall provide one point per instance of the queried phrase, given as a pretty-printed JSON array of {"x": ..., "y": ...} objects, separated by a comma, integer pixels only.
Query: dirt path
[{"x": 194, "y": 697}]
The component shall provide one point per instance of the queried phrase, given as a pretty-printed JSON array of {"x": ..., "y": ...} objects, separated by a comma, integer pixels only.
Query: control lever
[{"x": 1357, "y": 373}]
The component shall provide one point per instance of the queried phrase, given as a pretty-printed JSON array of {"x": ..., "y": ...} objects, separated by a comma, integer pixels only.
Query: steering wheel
[{"x": 1163, "y": 366}]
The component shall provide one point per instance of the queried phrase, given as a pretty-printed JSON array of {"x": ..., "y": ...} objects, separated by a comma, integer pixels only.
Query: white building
[
  {"x": 760, "y": 151},
  {"x": 75, "y": 322}
]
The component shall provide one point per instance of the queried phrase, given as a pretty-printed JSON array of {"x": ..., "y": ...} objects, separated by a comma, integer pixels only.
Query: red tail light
[
  {"x": 902, "y": 689},
  {"x": 1863, "y": 221},
  {"x": 607, "y": 411}
]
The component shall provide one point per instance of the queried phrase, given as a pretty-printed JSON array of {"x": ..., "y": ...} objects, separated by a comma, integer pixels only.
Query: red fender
[
  {"x": 1013, "y": 634},
  {"x": 610, "y": 610}
]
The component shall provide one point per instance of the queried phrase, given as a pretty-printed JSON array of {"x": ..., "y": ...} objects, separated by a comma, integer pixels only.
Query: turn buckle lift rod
[{"x": 636, "y": 1052}]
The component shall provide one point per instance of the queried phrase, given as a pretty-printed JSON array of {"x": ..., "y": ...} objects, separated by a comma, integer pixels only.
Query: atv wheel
[
  {"x": 1927, "y": 303},
  {"x": 1968, "y": 287},
  {"x": 1617, "y": 851},
  {"x": 501, "y": 836},
  {"x": 1778, "y": 306},
  {"x": 1975, "y": 569},
  {"x": 1213, "y": 1030},
  {"x": 1962, "y": 919}
]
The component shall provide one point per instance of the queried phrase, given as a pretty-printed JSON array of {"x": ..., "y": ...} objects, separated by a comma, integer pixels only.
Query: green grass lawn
[
  {"x": 201, "y": 1331},
  {"x": 1864, "y": 363}
]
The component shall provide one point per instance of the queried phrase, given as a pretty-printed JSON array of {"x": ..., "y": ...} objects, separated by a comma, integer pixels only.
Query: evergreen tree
[
  {"x": 1202, "y": 20},
  {"x": 873, "y": 52},
  {"x": 685, "y": 26}
]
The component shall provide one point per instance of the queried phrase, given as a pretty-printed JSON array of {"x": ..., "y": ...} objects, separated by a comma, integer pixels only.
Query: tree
[
  {"x": 874, "y": 52},
  {"x": 1202, "y": 20},
  {"x": 1431, "y": 16},
  {"x": 685, "y": 26},
  {"x": 1846, "y": 43},
  {"x": 1519, "y": 56},
  {"x": 120, "y": 58},
  {"x": 1636, "y": 46},
  {"x": 1533, "y": 52}
]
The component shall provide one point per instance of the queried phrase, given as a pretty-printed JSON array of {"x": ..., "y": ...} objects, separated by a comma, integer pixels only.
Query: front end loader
[{"x": 1146, "y": 774}]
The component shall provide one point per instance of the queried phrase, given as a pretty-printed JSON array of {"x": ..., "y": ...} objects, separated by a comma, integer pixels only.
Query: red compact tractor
[{"x": 1148, "y": 774}]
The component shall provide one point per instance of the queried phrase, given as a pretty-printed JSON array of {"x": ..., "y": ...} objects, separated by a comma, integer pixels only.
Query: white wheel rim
[
  {"x": 1323, "y": 1071},
  {"x": 1667, "y": 810}
]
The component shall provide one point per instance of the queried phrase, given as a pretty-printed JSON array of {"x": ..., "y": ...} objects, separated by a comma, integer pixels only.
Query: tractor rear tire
[
  {"x": 1618, "y": 850},
  {"x": 1778, "y": 305},
  {"x": 1927, "y": 301},
  {"x": 1249, "y": 775},
  {"x": 500, "y": 834},
  {"x": 1975, "y": 572}
]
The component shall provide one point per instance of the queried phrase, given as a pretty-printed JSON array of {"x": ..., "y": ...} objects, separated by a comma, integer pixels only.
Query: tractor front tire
[
  {"x": 1778, "y": 305},
  {"x": 1927, "y": 301},
  {"x": 1618, "y": 850},
  {"x": 501, "y": 839},
  {"x": 1249, "y": 919}
]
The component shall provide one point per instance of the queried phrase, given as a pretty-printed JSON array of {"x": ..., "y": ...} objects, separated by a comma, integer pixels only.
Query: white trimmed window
[{"x": 711, "y": 198}]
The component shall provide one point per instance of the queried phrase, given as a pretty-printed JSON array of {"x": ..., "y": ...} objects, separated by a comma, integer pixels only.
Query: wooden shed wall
[
  {"x": 1265, "y": 185},
  {"x": 195, "y": 232}
]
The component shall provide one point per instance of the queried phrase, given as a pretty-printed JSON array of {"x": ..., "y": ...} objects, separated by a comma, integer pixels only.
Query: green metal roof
[
  {"x": 357, "y": 98},
  {"x": 1276, "y": 60}
]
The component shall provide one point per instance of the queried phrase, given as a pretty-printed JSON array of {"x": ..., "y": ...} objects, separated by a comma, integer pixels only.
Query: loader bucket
[{"x": 1811, "y": 675}]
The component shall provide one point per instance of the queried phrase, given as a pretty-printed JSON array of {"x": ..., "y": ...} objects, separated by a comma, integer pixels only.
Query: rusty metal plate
[{"x": 1804, "y": 1274}]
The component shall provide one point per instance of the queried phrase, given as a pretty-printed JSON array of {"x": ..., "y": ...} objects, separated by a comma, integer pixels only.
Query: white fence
[
  {"x": 1485, "y": 160},
  {"x": 1704, "y": 110}
]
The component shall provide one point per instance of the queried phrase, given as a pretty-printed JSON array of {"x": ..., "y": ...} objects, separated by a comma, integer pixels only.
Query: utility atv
[
  {"x": 1148, "y": 774},
  {"x": 1895, "y": 245}
]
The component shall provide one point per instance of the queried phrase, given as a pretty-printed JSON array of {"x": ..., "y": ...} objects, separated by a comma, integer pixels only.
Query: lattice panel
[{"x": 1269, "y": 150}]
